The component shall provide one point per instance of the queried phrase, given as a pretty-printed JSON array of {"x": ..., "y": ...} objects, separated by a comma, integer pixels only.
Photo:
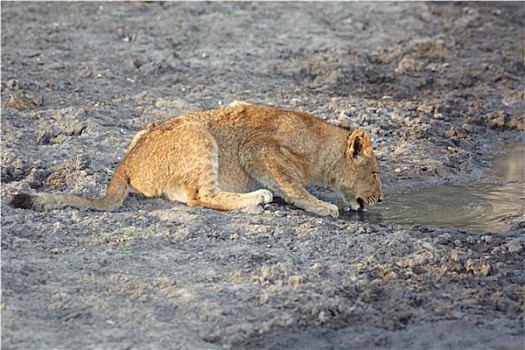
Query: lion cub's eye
[{"x": 375, "y": 176}]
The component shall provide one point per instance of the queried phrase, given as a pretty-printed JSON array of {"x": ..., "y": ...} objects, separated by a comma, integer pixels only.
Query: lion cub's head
[{"x": 360, "y": 183}]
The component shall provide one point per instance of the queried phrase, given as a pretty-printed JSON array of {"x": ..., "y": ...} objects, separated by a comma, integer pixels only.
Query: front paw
[{"x": 326, "y": 209}]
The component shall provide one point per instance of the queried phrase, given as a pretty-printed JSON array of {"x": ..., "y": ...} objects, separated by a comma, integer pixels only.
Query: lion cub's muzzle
[{"x": 370, "y": 200}]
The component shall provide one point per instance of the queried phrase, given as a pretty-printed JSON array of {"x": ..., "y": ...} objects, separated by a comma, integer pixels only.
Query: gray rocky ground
[{"x": 433, "y": 83}]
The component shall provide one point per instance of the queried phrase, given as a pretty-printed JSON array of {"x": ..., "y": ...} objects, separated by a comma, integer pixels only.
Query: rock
[
  {"x": 22, "y": 101},
  {"x": 514, "y": 246}
]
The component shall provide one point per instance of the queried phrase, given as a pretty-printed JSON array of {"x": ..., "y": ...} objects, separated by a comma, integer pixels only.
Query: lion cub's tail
[{"x": 118, "y": 190}]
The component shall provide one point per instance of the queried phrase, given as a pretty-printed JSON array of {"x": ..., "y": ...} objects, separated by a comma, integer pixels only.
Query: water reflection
[
  {"x": 480, "y": 208},
  {"x": 509, "y": 166}
]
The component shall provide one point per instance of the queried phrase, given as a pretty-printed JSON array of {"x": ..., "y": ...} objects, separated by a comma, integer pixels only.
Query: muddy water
[{"x": 484, "y": 207}]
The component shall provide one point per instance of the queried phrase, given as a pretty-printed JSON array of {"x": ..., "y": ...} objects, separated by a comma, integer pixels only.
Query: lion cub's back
[{"x": 247, "y": 121}]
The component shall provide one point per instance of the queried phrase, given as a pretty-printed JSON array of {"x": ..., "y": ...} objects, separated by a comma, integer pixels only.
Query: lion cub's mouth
[{"x": 362, "y": 204}]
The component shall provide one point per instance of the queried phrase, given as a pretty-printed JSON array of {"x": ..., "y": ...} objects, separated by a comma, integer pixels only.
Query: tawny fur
[{"x": 235, "y": 157}]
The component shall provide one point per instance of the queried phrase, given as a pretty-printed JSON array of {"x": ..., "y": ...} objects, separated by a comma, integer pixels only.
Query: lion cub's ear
[{"x": 359, "y": 146}]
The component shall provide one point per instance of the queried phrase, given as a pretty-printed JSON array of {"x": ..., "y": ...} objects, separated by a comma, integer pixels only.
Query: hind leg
[
  {"x": 207, "y": 192},
  {"x": 214, "y": 198},
  {"x": 198, "y": 184},
  {"x": 181, "y": 161}
]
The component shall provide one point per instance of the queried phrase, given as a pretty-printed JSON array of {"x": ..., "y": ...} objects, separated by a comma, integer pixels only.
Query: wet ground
[{"x": 435, "y": 84}]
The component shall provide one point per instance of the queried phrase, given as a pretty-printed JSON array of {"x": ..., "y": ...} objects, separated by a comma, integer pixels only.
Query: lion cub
[{"x": 221, "y": 159}]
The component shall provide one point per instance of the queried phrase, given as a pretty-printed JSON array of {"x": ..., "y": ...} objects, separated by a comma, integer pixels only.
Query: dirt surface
[{"x": 434, "y": 83}]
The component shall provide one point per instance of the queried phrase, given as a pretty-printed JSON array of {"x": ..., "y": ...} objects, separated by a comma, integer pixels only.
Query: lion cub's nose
[{"x": 379, "y": 200}]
